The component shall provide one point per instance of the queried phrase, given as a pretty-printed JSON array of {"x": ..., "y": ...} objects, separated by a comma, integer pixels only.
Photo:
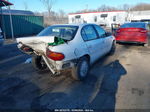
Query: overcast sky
[{"x": 71, "y": 5}]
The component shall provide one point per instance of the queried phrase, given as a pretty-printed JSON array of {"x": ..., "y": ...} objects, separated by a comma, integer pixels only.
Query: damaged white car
[{"x": 61, "y": 47}]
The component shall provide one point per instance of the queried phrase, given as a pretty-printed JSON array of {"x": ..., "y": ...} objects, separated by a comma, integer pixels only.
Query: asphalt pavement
[{"x": 117, "y": 82}]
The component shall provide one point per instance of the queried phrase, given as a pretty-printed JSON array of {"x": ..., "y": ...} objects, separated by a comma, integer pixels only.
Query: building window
[
  {"x": 72, "y": 19},
  {"x": 114, "y": 18},
  {"x": 95, "y": 18},
  {"x": 78, "y": 16},
  {"x": 103, "y": 15}
]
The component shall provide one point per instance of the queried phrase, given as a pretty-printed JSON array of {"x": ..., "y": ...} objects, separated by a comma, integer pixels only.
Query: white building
[
  {"x": 109, "y": 17},
  {"x": 100, "y": 18},
  {"x": 139, "y": 15}
]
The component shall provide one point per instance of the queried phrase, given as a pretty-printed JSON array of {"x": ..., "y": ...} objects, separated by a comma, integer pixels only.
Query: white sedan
[{"x": 75, "y": 46}]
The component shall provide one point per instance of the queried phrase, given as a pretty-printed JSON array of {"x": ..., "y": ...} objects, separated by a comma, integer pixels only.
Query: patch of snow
[{"x": 29, "y": 60}]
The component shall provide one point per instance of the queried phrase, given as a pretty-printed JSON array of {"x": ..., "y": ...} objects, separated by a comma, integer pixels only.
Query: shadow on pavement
[
  {"x": 97, "y": 92},
  {"x": 106, "y": 96},
  {"x": 16, "y": 93}
]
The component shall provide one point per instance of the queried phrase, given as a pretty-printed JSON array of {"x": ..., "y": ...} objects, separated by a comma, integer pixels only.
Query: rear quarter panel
[{"x": 73, "y": 49}]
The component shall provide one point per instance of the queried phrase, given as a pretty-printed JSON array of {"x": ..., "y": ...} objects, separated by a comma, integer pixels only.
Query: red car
[{"x": 134, "y": 32}]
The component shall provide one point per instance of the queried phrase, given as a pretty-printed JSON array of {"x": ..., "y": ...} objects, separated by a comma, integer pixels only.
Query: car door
[
  {"x": 106, "y": 39},
  {"x": 92, "y": 41}
]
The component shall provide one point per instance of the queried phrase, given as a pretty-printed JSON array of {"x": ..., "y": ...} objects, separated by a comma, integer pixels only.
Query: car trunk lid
[
  {"x": 39, "y": 44},
  {"x": 131, "y": 34}
]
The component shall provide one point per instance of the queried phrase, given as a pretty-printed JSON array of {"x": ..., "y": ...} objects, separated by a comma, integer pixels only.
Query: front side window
[
  {"x": 88, "y": 33},
  {"x": 64, "y": 32},
  {"x": 101, "y": 32}
]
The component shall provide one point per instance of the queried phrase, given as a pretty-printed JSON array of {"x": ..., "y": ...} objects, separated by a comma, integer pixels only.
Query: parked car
[
  {"x": 1, "y": 38},
  {"x": 60, "y": 47},
  {"x": 114, "y": 28},
  {"x": 134, "y": 32}
]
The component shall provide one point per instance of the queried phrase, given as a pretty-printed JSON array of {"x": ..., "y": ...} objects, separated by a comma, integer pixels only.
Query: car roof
[
  {"x": 136, "y": 23},
  {"x": 75, "y": 24}
]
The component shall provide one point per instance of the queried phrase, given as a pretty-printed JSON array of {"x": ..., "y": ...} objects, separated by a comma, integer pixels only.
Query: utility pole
[
  {"x": 87, "y": 8},
  {"x": 11, "y": 24}
]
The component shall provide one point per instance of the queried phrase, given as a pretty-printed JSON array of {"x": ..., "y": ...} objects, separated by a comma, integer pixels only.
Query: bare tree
[
  {"x": 106, "y": 8},
  {"x": 25, "y": 5},
  {"x": 48, "y": 4},
  {"x": 141, "y": 7},
  {"x": 62, "y": 14},
  {"x": 125, "y": 7}
]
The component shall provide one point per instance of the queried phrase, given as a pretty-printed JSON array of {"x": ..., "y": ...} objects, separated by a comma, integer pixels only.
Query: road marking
[{"x": 10, "y": 59}]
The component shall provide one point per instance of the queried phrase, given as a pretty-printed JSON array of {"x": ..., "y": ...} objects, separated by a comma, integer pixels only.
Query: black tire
[
  {"x": 77, "y": 72},
  {"x": 38, "y": 63},
  {"x": 113, "y": 48}
]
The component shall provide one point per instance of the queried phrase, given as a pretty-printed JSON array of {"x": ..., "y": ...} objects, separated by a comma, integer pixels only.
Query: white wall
[
  {"x": 139, "y": 15},
  {"x": 90, "y": 18},
  {"x": 121, "y": 17}
]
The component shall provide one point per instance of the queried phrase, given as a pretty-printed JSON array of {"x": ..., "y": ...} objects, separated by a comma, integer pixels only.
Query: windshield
[
  {"x": 64, "y": 32},
  {"x": 133, "y": 25}
]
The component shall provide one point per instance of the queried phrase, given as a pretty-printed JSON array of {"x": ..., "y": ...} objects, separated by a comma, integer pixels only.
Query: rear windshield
[
  {"x": 63, "y": 31},
  {"x": 133, "y": 25}
]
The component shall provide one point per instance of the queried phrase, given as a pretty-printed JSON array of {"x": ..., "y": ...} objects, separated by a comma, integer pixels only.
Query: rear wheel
[
  {"x": 80, "y": 72},
  {"x": 38, "y": 63}
]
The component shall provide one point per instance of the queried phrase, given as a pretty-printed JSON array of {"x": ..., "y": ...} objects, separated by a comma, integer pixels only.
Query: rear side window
[
  {"x": 88, "y": 33},
  {"x": 101, "y": 32},
  {"x": 133, "y": 25}
]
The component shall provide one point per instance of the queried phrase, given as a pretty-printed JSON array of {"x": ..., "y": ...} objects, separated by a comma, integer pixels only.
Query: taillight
[
  {"x": 54, "y": 55},
  {"x": 26, "y": 49}
]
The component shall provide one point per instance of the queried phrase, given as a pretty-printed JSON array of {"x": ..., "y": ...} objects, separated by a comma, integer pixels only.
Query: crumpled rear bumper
[
  {"x": 57, "y": 66},
  {"x": 35, "y": 48}
]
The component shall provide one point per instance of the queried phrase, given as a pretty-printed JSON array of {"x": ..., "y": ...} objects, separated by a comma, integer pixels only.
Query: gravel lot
[{"x": 121, "y": 81}]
